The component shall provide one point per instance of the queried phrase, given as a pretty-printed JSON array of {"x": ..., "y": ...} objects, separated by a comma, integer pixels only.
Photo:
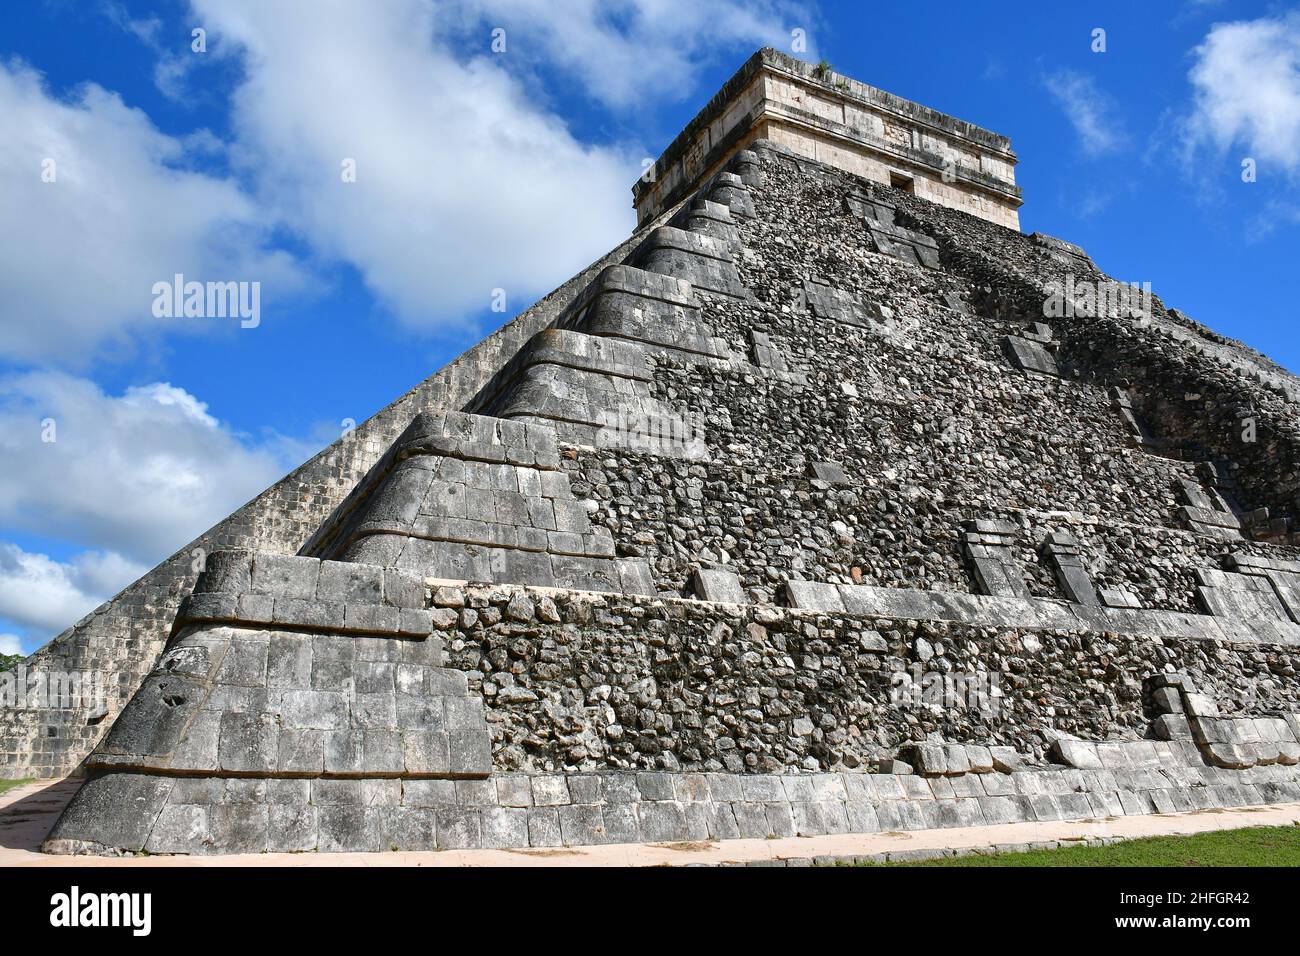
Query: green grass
[
  {"x": 10, "y": 784},
  {"x": 1252, "y": 846}
]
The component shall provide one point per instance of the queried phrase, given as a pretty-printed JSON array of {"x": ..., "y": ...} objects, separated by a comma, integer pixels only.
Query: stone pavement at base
[{"x": 28, "y": 812}]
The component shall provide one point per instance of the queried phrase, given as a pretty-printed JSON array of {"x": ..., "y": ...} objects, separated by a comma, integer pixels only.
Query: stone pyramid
[{"x": 828, "y": 502}]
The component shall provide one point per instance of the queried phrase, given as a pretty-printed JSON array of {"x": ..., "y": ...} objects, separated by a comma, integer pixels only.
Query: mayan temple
[{"x": 829, "y": 502}]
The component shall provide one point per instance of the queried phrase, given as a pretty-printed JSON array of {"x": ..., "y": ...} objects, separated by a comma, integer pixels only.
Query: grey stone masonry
[
  {"x": 701, "y": 260},
  {"x": 1241, "y": 596},
  {"x": 1030, "y": 356},
  {"x": 659, "y": 311},
  {"x": 990, "y": 549},
  {"x": 1124, "y": 405},
  {"x": 992, "y": 611},
  {"x": 729, "y": 190},
  {"x": 1066, "y": 252},
  {"x": 891, "y": 238},
  {"x": 263, "y": 733},
  {"x": 914, "y": 248},
  {"x": 476, "y": 510},
  {"x": 561, "y": 382},
  {"x": 716, "y": 584},
  {"x": 711, "y": 219},
  {"x": 830, "y": 472},
  {"x": 763, "y": 354},
  {"x": 1063, "y": 555},
  {"x": 1206, "y": 512},
  {"x": 262, "y": 588},
  {"x": 835, "y": 305},
  {"x": 866, "y": 206},
  {"x": 1283, "y": 575},
  {"x": 233, "y": 815}
]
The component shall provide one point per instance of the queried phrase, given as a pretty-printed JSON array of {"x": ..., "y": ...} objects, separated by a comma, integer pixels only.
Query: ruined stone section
[
  {"x": 936, "y": 759},
  {"x": 1039, "y": 332},
  {"x": 701, "y": 260},
  {"x": 868, "y": 206},
  {"x": 1118, "y": 597},
  {"x": 1235, "y": 743},
  {"x": 1030, "y": 356},
  {"x": 906, "y": 245},
  {"x": 444, "y": 504},
  {"x": 990, "y": 551},
  {"x": 834, "y": 119},
  {"x": 1061, "y": 552},
  {"x": 891, "y": 238},
  {"x": 610, "y": 646},
  {"x": 829, "y": 472}
]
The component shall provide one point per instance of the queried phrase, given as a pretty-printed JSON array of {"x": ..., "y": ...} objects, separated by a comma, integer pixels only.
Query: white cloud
[
  {"x": 10, "y": 644},
  {"x": 48, "y": 596},
  {"x": 625, "y": 51},
  {"x": 79, "y": 255},
  {"x": 138, "y": 474},
  {"x": 1246, "y": 77},
  {"x": 1091, "y": 112},
  {"x": 463, "y": 183}
]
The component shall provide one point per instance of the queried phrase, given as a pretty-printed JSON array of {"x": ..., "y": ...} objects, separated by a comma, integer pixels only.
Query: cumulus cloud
[
  {"x": 624, "y": 51},
  {"x": 137, "y": 474},
  {"x": 1091, "y": 112},
  {"x": 10, "y": 644},
  {"x": 47, "y": 596},
  {"x": 123, "y": 211},
  {"x": 464, "y": 183},
  {"x": 1246, "y": 78}
]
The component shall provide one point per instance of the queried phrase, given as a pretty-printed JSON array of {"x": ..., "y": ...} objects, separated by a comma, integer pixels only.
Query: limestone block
[
  {"x": 715, "y": 584},
  {"x": 828, "y": 471},
  {"x": 1076, "y": 753},
  {"x": 1030, "y": 356},
  {"x": 1171, "y": 727},
  {"x": 285, "y": 576},
  {"x": 928, "y": 759},
  {"x": 1167, "y": 700}
]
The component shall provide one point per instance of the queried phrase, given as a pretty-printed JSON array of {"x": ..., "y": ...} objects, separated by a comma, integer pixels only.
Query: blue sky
[{"x": 479, "y": 170}]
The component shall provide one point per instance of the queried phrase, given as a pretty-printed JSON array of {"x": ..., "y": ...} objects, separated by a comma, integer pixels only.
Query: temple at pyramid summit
[{"x": 828, "y": 502}]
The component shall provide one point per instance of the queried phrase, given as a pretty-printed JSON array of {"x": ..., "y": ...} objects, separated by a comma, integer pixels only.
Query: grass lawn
[
  {"x": 1252, "y": 846},
  {"x": 10, "y": 784}
]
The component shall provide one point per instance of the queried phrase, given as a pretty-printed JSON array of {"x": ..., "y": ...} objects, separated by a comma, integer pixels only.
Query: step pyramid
[{"x": 800, "y": 512}]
